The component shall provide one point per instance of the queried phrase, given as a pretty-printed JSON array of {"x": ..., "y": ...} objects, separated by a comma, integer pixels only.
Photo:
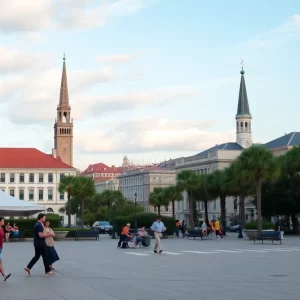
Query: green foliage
[
  {"x": 265, "y": 225},
  {"x": 27, "y": 225},
  {"x": 143, "y": 219},
  {"x": 158, "y": 198}
]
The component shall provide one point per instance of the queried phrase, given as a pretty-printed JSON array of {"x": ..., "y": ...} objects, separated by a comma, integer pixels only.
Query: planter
[
  {"x": 252, "y": 233},
  {"x": 60, "y": 235}
]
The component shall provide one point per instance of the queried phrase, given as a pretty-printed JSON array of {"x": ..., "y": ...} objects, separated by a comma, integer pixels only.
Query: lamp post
[
  {"x": 113, "y": 232},
  {"x": 135, "y": 221}
]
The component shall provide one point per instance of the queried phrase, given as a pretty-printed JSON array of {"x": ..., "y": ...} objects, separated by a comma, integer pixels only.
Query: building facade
[
  {"x": 138, "y": 184},
  {"x": 31, "y": 175},
  {"x": 110, "y": 185}
]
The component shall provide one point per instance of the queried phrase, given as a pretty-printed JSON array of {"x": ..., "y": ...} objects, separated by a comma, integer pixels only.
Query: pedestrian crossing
[{"x": 215, "y": 251}]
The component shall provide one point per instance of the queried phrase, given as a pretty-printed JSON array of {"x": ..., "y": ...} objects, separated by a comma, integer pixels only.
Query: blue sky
[{"x": 152, "y": 79}]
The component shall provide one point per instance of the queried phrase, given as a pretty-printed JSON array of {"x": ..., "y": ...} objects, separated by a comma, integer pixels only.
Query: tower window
[
  {"x": 242, "y": 124},
  {"x": 246, "y": 124},
  {"x": 65, "y": 117}
]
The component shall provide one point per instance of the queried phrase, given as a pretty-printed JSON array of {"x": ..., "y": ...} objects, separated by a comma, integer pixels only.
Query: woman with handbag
[{"x": 52, "y": 255}]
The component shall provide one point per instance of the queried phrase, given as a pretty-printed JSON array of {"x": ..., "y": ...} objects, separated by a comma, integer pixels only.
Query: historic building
[
  {"x": 31, "y": 175},
  {"x": 110, "y": 185},
  {"x": 136, "y": 185},
  {"x": 63, "y": 127}
]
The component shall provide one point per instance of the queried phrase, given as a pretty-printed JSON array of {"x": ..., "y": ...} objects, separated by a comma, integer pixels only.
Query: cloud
[
  {"x": 152, "y": 135},
  {"x": 30, "y": 15},
  {"x": 116, "y": 58},
  {"x": 282, "y": 33},
  {"x": 12, "y": 61}
]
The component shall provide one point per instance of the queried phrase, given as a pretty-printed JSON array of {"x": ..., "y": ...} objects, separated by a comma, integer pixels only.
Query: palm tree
[
  {"x": 66, "y": 185},
  {"x": 258, "y": 165},
  {"x": 202, "y": 193},
  {"x": 187, "y": 181},
  {"x": 218, "y": 188},
  {"x": 83, "y": 188},
  {"x": 173, "y": 194},
  {"x": 157, "y": 198}
]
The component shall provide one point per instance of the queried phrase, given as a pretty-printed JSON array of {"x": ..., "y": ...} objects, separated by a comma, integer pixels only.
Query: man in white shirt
[{"x": 158, "y": 228}]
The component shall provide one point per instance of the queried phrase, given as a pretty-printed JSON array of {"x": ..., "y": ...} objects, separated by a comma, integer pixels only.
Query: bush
[
  {"x": 71, "y": 233},
  {"x": 27, "y": 225},
  {"x": 265, "y": 225},
  {"x": 143, "y": 219}
]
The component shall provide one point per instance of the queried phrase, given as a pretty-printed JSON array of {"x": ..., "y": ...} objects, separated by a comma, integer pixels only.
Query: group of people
[
  {"x": 210, "y": 228},
  {"x": 11, "y": 230},
  {"x": 141, "y": 237},
  {"x": 43, "y": 246}
]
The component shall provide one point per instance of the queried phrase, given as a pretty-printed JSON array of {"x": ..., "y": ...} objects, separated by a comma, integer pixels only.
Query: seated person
[
  {"x": 140, "y": 238},
  {"x": 8, "y": 231},
  {"x": 204, "y": 229},
  {"x": 125, "y": 235},
  {"x": 15, "y": 230}
]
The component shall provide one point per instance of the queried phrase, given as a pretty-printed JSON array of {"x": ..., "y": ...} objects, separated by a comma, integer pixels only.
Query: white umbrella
[{"x": 12, "y": 207}]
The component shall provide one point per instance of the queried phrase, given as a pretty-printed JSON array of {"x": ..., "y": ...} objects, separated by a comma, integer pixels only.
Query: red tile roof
[
  {"x": 29, "y": 158},
  {"x": 102, "y": 168}
]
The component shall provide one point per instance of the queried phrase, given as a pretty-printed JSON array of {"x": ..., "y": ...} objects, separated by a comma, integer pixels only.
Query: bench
[
  {"x": 194, "y": 233},
  {"x": 268, "y": 235},
  {"x": 21, "y": 236},
  {"x": 86, "y": 234}
]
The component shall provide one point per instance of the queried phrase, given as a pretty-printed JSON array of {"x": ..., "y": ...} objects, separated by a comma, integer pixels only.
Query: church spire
[
  {"x": 64, "y": 95},
  {"x": 243, "y": 105},
  {"x": 243, "y": 116}
]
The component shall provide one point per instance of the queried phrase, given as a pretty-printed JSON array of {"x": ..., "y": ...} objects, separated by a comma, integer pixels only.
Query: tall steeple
[
  {"x": 243, "y": 116},
  {"x": 63, "y": 127}
]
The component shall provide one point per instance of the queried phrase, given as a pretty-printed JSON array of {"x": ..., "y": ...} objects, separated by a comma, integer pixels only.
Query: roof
[
  {"x": 243, "y": 105},
  {"x": 29, "y": 158},
  {"x": 225, "y": 146},
  {"x": 291, "y": 139},
  {"x": 102, "y": 168}
]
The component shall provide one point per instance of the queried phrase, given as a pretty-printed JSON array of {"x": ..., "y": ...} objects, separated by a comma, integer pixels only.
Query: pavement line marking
[
  {"x": 229, "y": 251},
  {"x": 172, "y": 253},
  {"x": 250, "y": 250},
  {"x": 135, "y": 253},
  {"x": 277, "y": 250},
  {"x": 198, "y": 252}
]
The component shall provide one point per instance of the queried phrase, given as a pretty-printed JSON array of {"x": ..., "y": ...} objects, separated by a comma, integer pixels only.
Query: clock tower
[{"x": 63, "y": 127}]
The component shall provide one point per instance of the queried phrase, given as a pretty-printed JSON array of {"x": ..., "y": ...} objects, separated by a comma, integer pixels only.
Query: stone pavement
[{"x": 189, "y": 269}]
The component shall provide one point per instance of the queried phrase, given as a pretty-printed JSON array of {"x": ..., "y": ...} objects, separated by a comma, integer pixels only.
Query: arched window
[
  {"x": 50, "y": 210},
  {"x": 242, "y": 125},
  {"x": 246, "y": 124}
]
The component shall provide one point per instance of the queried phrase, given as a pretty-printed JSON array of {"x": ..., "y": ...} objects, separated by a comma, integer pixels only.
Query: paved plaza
[{"x": 188, "y": 269}]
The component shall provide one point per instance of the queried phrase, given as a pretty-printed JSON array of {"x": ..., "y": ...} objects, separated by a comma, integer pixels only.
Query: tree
[
  {"x": 66, "y": 185},
  {"x": 202, "y": 193},
  {"x": 158, "y": 199},
  {"x": 83, "y": 188},
  {"x": 258, "y": 165},
  {"x": 218, "y": 188},
  {"x": 173, "y": 194},
  {"x": 187, "y": 181}
]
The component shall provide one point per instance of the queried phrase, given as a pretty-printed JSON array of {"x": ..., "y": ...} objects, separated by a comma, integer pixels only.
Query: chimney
[{"x": 54, "y": 153}]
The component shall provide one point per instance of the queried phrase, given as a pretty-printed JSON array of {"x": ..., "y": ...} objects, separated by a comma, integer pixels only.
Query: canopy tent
[{"x": 12, "y": 207}]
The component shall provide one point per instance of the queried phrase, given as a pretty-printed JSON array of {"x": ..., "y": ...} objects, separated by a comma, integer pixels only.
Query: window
[
  {"x": 50, "y": 194},
  {"x": 21, "y": 194},
  {"x": 50, "y": 177},
  {"x": 235, "y": 204},
  {"x": 31, "y": 195},
  {"x": 41, "y": 194},
  {"x": 12, "y": 193},
  {"x": 62, "y": 196},
  {"x": 215, "y": 204},
  {"x": 31, "y": 177},
  {"x": 41, "y": 177},
  {"x": 61, "y": 176},
  {"x": 12, "y": 177},
  {"x": 21, "y": 177},
  {"x": 2, "y": 177}
]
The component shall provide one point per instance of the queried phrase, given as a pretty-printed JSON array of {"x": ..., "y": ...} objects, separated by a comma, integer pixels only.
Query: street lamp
[
  {"x": 135, "y": 221},
  {"x": 113, "y": 232}
]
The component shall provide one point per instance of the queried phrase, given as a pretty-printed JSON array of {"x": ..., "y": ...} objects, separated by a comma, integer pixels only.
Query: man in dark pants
[{"x": 40, "y": 246}]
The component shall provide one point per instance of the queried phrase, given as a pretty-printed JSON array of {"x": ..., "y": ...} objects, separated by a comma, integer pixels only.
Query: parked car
[
  {"x": 234, "y": 228},
  {"x": 102, "y": 226}
]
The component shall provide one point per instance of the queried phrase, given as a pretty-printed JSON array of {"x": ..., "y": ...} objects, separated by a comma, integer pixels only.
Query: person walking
[
  {"x": 158, "y": 228},
  {"x": 218, "y": 229},
  {"x": 279, "y": 227},
  {"x": 40, "y": 246},
  {"x": 125, "y": 235},
  {"x": 53, "y": 257},
  {"x": 5, "y": 275}
]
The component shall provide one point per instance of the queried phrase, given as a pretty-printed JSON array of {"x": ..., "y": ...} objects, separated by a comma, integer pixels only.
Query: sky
[{"x": 150, "y": 79}]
